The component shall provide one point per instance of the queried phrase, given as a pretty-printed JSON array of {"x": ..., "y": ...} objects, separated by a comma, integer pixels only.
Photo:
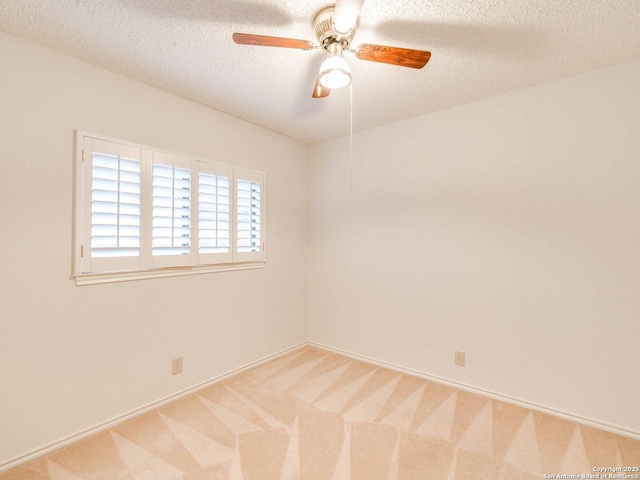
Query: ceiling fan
[{"x": 335, "y": 27}]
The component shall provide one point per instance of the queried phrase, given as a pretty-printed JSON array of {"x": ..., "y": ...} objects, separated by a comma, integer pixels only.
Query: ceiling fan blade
[
  {"x": 265, "y": 41},
  {"x": 403, "y": 57},
  {"x": 346, "y": 14},
  {"x": 319, "y": 91}
]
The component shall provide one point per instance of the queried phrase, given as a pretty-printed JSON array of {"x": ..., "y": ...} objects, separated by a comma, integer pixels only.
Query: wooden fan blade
[
  {"x": 346, "y": 14},
  {"x": 319, "y": 91},
  {"x": 403, "y": 57},
  {"x": 265, "y": 41}
]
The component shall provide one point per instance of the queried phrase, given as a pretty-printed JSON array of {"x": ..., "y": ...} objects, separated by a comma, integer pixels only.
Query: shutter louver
[
  {"x": 213, "y": 214},
  {"x": 115, "y": 206},
  {"x": 248, "y": 216},
  {"x": 171, "y": 211}
]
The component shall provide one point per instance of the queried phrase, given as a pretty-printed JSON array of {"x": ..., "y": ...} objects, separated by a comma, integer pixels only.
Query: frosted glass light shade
[{"x": 335, "y": 72}]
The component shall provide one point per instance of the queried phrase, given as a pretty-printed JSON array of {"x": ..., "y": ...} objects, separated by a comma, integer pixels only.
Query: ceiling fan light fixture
[{"x": 335, "y": 72}]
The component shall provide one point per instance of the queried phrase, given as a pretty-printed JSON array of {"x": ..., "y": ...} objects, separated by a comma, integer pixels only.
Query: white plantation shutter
[
  {"x": 112, "y": 206},
  {"x": 171, "y": 219},
  {"x": 249, "y": 215},
  {"x": 214, "y": 213},
  {"x": 141, "y": 213}
]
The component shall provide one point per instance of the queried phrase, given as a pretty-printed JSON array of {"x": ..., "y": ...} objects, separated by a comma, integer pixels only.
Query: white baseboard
[
  {"x": 487, "y": 393},
  {"x": 63, "y": 442}
]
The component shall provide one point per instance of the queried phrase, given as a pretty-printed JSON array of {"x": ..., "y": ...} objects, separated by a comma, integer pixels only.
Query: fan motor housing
[{"x": 326, "y": 35}]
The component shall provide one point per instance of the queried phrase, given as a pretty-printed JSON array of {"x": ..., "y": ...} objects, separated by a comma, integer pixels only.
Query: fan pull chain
[{"x": 351, "y": 139}]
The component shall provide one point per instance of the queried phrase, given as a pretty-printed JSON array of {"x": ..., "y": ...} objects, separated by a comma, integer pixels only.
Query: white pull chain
[{"x": 351, "y": 140}]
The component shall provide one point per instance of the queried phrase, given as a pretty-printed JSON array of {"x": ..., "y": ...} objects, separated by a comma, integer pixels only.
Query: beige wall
[
  {"x": 508, "y": 228},
  {"x": 72, "y": 357}
]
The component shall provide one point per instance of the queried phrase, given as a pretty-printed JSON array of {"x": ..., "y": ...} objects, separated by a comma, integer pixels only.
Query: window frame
[{"x": 150, "y": 266}]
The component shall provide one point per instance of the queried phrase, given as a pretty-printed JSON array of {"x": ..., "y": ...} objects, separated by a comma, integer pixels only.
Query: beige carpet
[{"x": 314, "y": 415}]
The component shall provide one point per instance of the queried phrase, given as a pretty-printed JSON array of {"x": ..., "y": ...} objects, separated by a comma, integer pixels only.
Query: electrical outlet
[
  {"x": 459, "y": 359},
  {"x": 176, "y": 366}
]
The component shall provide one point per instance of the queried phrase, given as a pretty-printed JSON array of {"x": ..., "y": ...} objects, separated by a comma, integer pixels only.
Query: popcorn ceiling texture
[{"x": 480, "y": 48}]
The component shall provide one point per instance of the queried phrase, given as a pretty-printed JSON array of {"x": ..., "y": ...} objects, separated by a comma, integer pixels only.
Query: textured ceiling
[{"x": 480, "y": 48}]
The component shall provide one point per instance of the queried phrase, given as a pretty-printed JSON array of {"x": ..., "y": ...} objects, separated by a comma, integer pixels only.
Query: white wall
[
  {"x": 72, "y": 357},
  {"x": 508, "y": 228}
]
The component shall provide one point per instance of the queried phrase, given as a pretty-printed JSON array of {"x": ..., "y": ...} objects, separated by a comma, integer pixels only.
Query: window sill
[{"x": 128, "y": 276}]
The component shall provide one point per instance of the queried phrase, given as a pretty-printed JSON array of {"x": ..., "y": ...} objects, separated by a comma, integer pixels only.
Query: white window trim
[
  {"x": 236, "y": 263},
  {"x": 130, "y": 275}
]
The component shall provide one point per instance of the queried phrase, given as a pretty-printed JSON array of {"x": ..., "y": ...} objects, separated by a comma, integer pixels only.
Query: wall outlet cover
[{"x": 176, "y": 366}]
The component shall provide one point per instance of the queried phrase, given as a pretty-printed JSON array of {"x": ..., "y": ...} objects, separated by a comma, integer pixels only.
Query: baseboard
[
  {"x": 487, "y": 393},
  {"x": 63, "y": 442}
]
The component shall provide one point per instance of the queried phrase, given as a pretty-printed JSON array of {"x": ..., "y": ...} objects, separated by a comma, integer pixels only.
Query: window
[
  {"x": 143, "y": 213},
  {"x": 248, "y": 218},
  {"x": 214, "y": 213},
  {"x": 171, "y": 212}
]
